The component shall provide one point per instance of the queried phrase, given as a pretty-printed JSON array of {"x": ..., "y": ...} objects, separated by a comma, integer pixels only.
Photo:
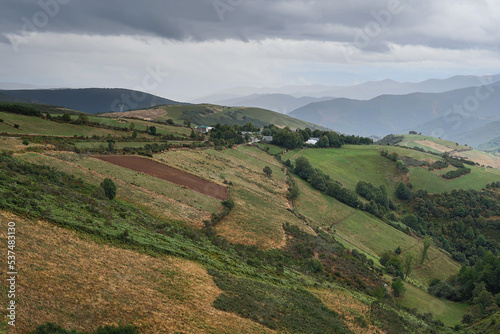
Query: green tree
[
  {"x": 134, "y": 134},
  {"x": 25, "y": 142},
  {"x": 398, "y": 287},
  {"x": 109, "y": 188},
  {"x": 408, "y": 265},
  {"x": 268, "y": 171},
  {"x": 403, "y": 192},
  {"x": 152, "y": 130},
  {"x": 187, "y": 123},
  {"x": 323, "y": 142},
  {"x": 425, "y": 250},
  {"x": 83, "y": 119},
  {"x": 66, "y": 117}
]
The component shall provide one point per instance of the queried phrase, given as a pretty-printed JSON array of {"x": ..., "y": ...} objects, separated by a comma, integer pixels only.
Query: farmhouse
[
  {"x": 312, "y": 141},
  {"x": 267, "y": 138},
  {"x": 203, "y": 129}
]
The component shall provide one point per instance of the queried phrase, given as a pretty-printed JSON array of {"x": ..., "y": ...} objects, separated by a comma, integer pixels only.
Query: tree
[
  {"x": 25, "y": 142},
  {"x": 398, "y": 287},
  {"x": 134, "y": 134},
  {"x": 187, "y": 123},
  {"x": 66, "y": 117},
  {"x": 152, "y": 130},
  {"x": 403, "y": 192},
  {"x": 109, "y": 188},
  {"x": 408, "y": 265},
  {"x": 425, "y": 250},
  {"x": 268, "y": 171},
  {"x": 83, "y": 119},
  {"x": 323, "y": 142}
]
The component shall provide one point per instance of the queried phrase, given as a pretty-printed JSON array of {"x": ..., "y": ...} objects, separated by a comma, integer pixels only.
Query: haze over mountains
[
  {"x": 461, "y": 108},
  {"x": 89, "y": 100}
]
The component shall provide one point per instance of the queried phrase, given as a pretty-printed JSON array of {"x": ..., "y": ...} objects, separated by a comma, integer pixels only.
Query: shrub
[{"x": 109, "y": 188}]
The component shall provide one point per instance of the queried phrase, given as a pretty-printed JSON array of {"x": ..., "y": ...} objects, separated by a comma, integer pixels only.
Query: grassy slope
[
  {"x": 353, "y": 163},
  {"x": 160, "y": 198},
  {"x": 261, "y": 205},
  {"x": 450, "y": 313},
  {"x": 38, "y": 126},
  {"x": 119, "y": 286},
  {"x": 216, "y": 113}
]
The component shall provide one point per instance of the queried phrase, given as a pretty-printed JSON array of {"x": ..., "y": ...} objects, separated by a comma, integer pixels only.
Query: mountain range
[{"x": 89, "y": 100}]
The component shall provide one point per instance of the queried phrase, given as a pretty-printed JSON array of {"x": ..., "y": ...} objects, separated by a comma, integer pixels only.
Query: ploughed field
[{"x": 168, "y": 173}]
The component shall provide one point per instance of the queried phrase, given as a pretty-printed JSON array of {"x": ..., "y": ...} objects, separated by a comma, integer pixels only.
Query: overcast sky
[{"x": 183, "y": 49}]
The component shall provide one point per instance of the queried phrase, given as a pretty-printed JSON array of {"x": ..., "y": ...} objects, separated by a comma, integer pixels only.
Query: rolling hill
[
  {"x": 89, "y": 100},
  {"x": 277, "y": 256},
  {"x": 208, "y": 114},
  {"x": 401, "y": 113},
  {"x": 281, "y": 103}
]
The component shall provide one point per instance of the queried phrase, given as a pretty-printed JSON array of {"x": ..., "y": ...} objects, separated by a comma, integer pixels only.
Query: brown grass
[
  {"x": 145, "y": 114},
  {"x": 81, "y": 285}
]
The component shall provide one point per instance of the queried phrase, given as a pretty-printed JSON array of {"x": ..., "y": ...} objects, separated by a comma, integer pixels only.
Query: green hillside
[
  {"x": 277, "y": 256},
  {"x": 208, "y": 114}
]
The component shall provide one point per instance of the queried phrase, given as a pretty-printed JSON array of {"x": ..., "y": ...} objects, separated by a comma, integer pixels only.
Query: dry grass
[
  {"x": 350, "y": 308},
  {"x": 81, "y": 285}
]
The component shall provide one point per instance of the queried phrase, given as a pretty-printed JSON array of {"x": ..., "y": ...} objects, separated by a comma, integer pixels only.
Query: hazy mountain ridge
[
  {"x": 439, "y": 114},
  {"x": 89, "y": 100}
]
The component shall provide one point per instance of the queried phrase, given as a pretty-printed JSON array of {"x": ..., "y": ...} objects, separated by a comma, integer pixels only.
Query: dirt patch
[
  {"x": 168, "y": 173},
  {"x": 146, "y": 114},
  {"x": 433, "y": 145},
  {"x": 481, "y": 158}
]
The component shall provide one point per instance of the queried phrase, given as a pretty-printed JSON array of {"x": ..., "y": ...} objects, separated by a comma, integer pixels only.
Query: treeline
[
  {"x": 380, "y": 203},
  {"x": 453, "y": 174},
  {"x": 294, "y": 139},
  {"x": 478, "y": 285},
  {"x": 458, "y": 222},
  {"x": 20, "y": 109}
]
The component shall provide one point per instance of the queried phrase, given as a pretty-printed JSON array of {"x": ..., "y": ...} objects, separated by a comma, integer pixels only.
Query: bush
[
  {"x": 398, "y": 287},
  {"x": 109, "y": 188}
]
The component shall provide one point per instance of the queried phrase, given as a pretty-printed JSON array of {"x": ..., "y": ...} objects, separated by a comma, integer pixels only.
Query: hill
[
  {"x": 281, "y": 103},
  {"x": 401, "y": 113},
  {"x": 89, "y": 100},
  {"x": 208, "y": 114},
  {"x": 491, "y": 146},
  {"x": 277, "y": 256}
]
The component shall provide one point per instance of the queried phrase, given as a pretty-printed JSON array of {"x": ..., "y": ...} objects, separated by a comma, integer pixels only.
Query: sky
[{"x": 184, "y": 49}]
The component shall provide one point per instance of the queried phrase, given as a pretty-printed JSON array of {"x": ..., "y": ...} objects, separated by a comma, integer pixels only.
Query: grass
[
  {"x": 260, "y": 202},
  {"x": 421, "y": 178},
  {"x": 281, "y": 308},
  {"x": 450, "y": 313},
  {"x": 70, "y": 279},
  {"x": 410, "y": 141},
  {"x": 160, "y": 198},
  {"x": 273, "y": 149},
  {"x": 39, "y": 126},
  {"x": 351, "y": 164}
]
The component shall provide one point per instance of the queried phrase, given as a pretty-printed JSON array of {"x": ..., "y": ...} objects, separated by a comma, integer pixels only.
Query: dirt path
[{"x": 168, "y": 173}]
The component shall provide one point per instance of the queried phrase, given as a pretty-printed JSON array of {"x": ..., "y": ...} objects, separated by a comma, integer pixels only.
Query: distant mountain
[
  {"x": 398, "y": 113},
  {"x": 281, "y": 103},
  {"x": 362, "y": 91},
  {"x": 491, "y": 146},
  {"x": 89, "y": 100},
  {"x": 479, "y": 135}
]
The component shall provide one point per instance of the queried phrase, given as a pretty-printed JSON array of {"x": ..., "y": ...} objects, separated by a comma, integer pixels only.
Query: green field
[
  {"x": 39, "y": 126},
  {"x": 421, "y": 178},
  {"x": 351, "y": 164},
  {"x": 450, "y": 313},
  {"x": 411, "y": 141}
]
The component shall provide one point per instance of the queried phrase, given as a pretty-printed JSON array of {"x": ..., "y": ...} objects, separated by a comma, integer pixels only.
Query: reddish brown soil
[{"x": 168, "y": 173}]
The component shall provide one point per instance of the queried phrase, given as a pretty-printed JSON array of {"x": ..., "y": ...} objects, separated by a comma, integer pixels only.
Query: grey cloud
[{"x": 243, "y": 19}]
